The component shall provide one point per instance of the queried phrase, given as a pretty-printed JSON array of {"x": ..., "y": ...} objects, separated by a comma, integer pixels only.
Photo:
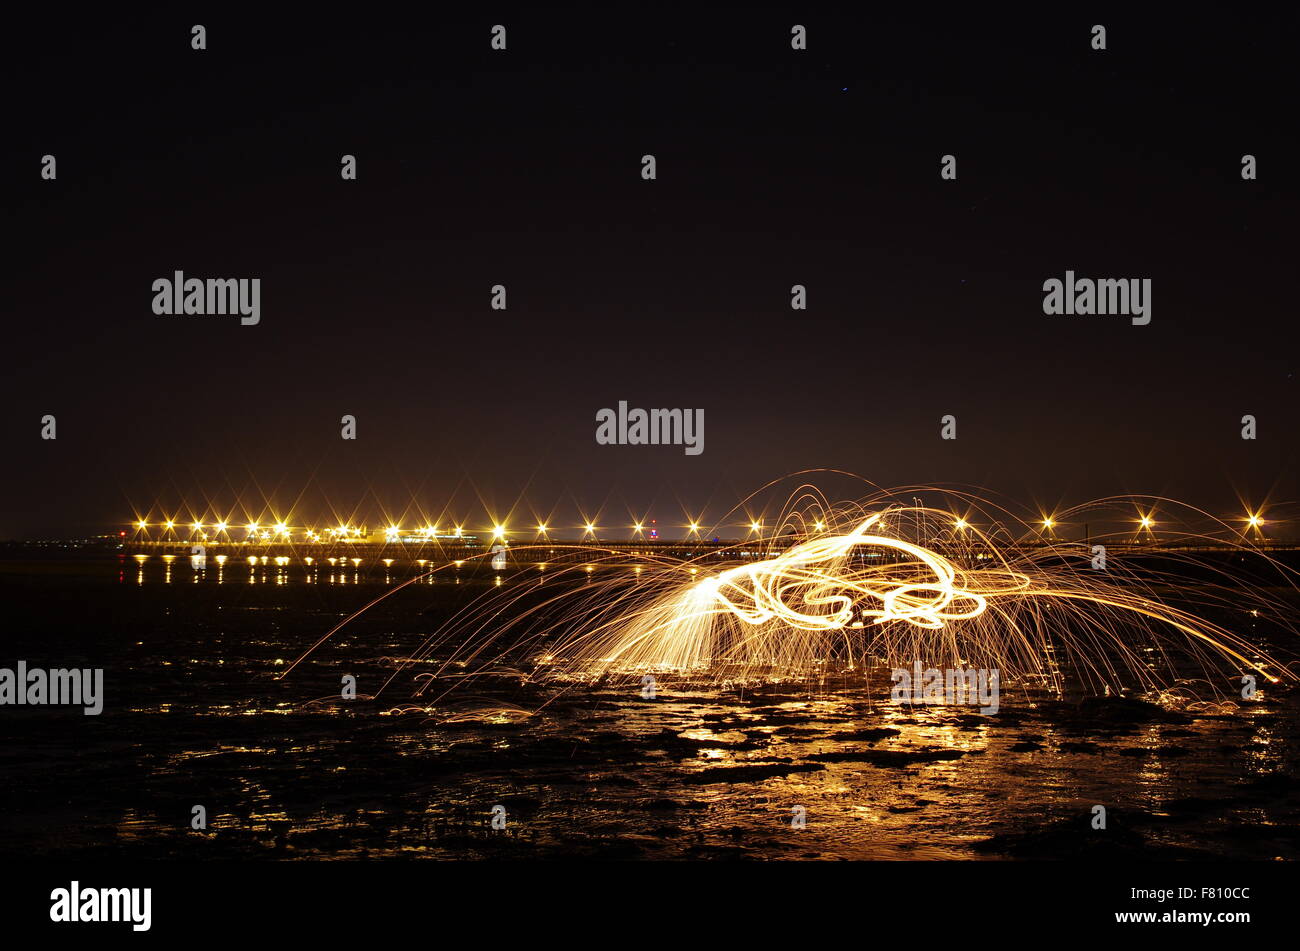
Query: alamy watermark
[
  {"x": 179, "y": 295},
  {"x": 35, "y": 686},
  {"x": 654, "y": 427},
  {"x": 75, "y": 903},
  {"x": 954, "y": 686},
  {"x": 1122, "y": 296}
]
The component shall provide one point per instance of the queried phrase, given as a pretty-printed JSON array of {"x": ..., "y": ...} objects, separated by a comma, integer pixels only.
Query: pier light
[
  {"x": 541, "y": 527},
  {"x": 169, "y": 524},
  {"x": 819, "y": 526},
  {"x": 960, "y": 524},
  {"x": 755, "y": 526},
  {"x": 307, "y": 562},
  {"x": 498, "y": 531},
  {"x": 356, "y": 562},
  {"x": 591, "y": 529},
  {"x": 142, "y": 525},
  {"x": 221, "y": 559},
  {"x": 1254, "y": 521},
  {"x": 221, "y": 526},
  {"x": 695, "y": 527},
  {"x": 637, "y": 528},
  {"x": 1049, "y": 524},
  {"x": 1145, "y": 521},
  {"x": 251, "y": 528},
  {"x": 388, "y": 562},
  {"x": 281, "y": 528}
]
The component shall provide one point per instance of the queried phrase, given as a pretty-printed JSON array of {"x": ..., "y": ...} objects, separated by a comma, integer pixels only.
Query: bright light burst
[
  {"x": 859, "y": 594},
  {"x": 881, "y": 583}
]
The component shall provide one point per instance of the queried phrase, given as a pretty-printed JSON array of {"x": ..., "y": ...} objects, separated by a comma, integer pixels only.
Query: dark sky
[{"x": 522, "y": 167}]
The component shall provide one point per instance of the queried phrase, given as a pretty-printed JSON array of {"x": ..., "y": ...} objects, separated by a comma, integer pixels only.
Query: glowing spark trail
[
  {"x": 845, "y": 587},
  {"x": 794, "y": 610}
]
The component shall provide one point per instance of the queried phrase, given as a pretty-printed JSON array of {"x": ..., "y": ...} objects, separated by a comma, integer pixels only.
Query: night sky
[{"x": 523, "y": 167}]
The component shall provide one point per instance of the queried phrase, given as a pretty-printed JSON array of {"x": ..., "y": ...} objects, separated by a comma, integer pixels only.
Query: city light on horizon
[{"x": 1144, "y": 521}]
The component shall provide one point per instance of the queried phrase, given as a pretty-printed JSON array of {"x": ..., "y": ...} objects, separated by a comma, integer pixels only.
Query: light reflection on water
[
  {"x": 287, "y": 769},
  {"x": 670, "y": 776}
]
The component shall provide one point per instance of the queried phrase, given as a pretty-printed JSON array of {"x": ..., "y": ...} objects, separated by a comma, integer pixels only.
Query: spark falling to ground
[{"x": 878, "y": 582}]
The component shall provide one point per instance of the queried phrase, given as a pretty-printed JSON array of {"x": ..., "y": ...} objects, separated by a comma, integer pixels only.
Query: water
[{"x": 195, "y": 714}]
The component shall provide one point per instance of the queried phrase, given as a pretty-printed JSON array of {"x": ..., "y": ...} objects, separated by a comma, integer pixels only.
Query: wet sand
[{"x": 195, "y": 715}]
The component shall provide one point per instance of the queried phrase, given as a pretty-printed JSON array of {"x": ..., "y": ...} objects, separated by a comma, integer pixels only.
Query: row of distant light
[
  {"x": 1252, "y": 520},
  {"x": 393, "y": 531}
]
